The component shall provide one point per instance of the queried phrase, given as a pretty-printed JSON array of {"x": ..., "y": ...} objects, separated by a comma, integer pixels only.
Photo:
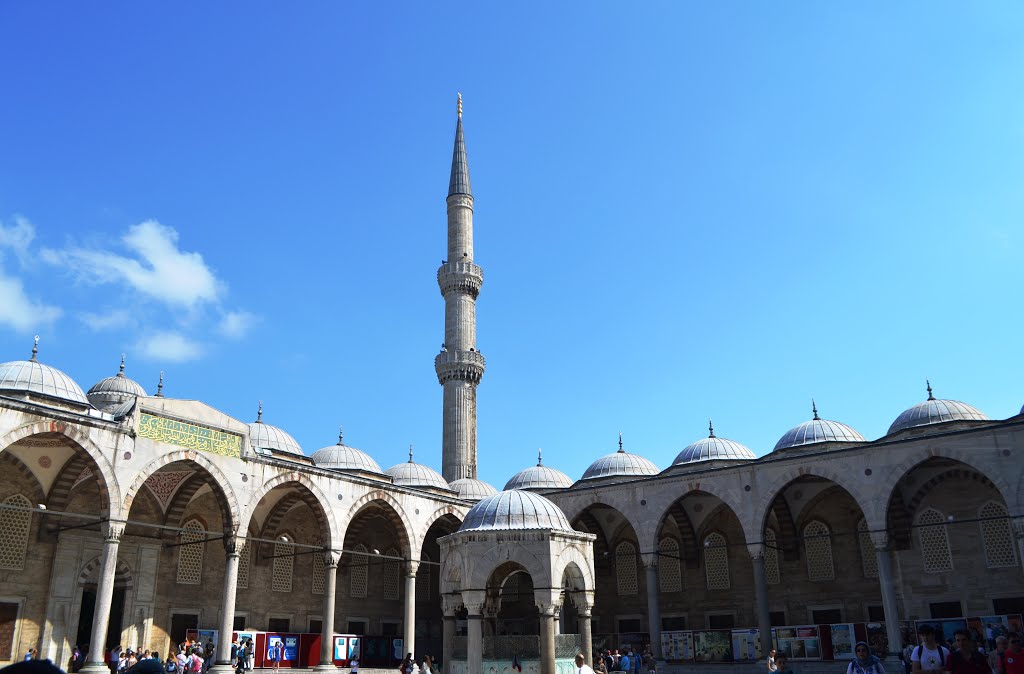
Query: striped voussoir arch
[{"x": 688, "y": 548}]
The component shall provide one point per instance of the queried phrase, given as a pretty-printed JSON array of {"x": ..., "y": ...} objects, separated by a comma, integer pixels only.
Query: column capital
[
  {"x": 450, "y": 604},
  {"x": 880, "y": 539},
  {"x": 548, "y": 600},
  {"x": 649, "y": 559},
  {"x": 474, "y": 601},
  {"x": 112, "y": 531},
  {"x": 756, "y": 550},
  {"x": 331, "y": 558},
  {"x": 233, "y": 545},
  {"x": 411, "y": 567},
  {"x": 583, "y": 600}
]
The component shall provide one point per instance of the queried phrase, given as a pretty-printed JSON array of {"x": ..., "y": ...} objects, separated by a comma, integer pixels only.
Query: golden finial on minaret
[{"x": 460, "y": 104}]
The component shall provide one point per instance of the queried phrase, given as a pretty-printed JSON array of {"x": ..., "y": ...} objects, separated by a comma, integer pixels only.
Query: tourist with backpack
[
  {"x": 929, "y": 657},
  {"x": 864, "y": 662}
]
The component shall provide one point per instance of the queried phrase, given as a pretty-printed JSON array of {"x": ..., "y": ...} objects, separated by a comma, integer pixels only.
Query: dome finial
[
  {"x": 410, "y": 452},
  {"x": 120, "y": 372},
  {"x": 711, "y": 429},
  {"x": 341, "y": 435},
  {"x": 814, "y": 408},
  {"x": 621, "y": 451},
  {"x": 160, "y": 386},
  {"x": 259, "y": 414},
  {"x": 460, "y": 104},
  {"x": 35, "y": 350},
  {"x": 539, "y": 460},
  {"x": 930, "y": 396}
]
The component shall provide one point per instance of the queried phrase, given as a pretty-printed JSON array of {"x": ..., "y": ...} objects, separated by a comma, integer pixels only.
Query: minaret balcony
[
  {"x": 459, "y": 365},
  {"x": 463, "y": 277}
]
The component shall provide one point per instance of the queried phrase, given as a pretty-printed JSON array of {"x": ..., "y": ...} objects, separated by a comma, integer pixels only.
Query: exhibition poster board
[
  {"x": 712, "y": 646},
  {"x": 746, "y": 645},
  {"x": 798, "y": 642},
  {"x": 677, "y": 646},
  {"x": 843, "y": 640}
]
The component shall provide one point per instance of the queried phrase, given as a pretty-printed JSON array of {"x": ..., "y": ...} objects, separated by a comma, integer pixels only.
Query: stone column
[
  {"x": 764, "y": 619},
  {"x": 112, "y": 532},
  {"x": 409, "y": 624},
  {"x": 232, "y": 547},
  {"x": 585, "y": 633},
  {"x": 548, "y": 615},
  {"x": 450, "y": 605},
  {"x": 474, "y": 601},
  {"x": 650, "y": 561},
  {"x": 327, "y": 626},
  {"x": 890, "y": 607}
]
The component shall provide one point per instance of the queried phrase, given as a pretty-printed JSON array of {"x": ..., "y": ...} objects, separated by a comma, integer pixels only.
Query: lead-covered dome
[
  {"x": 32, "y": 377},
  {"x": 110, "y": 393},
  {"x": 340, "y": 457},
  {"x": 713, "y": 448},
  {"x": 934, "y": 411},
  {"x": 620, "y": 463},
  {"x": 471, "y": 489},
  {"x": 264, "y": 436},
  {"x": 515, "y": 510},
  {"x": 539, "y": 477},
  {"x": 412, "y": 474},
  {"x": 818, "y": 430}
]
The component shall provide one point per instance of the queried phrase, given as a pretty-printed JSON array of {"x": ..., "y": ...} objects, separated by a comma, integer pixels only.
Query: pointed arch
[
  {"x": 311, "y": 494},
  {"x": 394, "y": 513},
  {"x": 868, "y": 507}
]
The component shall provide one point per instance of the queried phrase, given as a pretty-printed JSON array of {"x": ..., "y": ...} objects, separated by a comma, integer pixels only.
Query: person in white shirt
[
  {"x": 930, "y": 656},
  {"x": 581, "y": 666}
]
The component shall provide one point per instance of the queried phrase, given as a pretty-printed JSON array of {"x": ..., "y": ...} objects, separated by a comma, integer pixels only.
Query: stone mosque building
[{"x": 129, "y": 518}]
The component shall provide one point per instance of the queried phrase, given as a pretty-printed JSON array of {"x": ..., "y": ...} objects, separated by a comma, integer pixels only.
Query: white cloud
[
  {"x": 109, "y": 320},
  {"x": 20, "y": 312},
  {"x": 236, "y": 324},
  {"x": 158, "y": 268},
  {"x": 18, "y": 237},
  {"x": 169, "y": 346}
]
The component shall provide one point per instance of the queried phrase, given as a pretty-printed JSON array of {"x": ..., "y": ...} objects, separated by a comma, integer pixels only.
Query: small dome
[
  {"x": 472, "y": 490},
  {"x": 514, "y": 509},
  {"x": 620, "y": 463},
  {"x": 265, "y": 436},
  {"x": 818, "y": 430},
  {"x": 714, "y": 449},
  {"x": 934, "y": 411},
  {"x": 340, "y": 457},
  {"x": 31, "y": 376},
  {"x": 539, "y": 477},
  {"x": 411, "y": 474},
  {"x": 124, "y": 409},
  {"x": 110, "y": 393}
]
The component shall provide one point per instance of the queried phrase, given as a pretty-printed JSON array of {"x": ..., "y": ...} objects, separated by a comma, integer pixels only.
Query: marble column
[
  {"x": 448, "y": 642},
  {"x": 409, "y": 623},
  {"x": 587, "y": 637},
  {"x": 764, "y": 618},
  {"x": 112, "y": 532},
  {"x": 232, "y": 547},
  {"x": 327, "y": 625},
  {"x": 650, "y": 561},
  {"x": 890, "y": 607},
  {"x": 474, "y": 601},
  {"x": 548, "y": 615}
]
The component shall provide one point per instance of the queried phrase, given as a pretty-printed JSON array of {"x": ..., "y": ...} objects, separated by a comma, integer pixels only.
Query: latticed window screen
[
  {"x": 818, "y": 546},
  {"x": 319, "y": 570},
  {"x": 997, "y": 536},
  {"x": 670, "y": 575},
  {"x": 934, "y": 541},
  {"x": 190, "y": 557},
  {"x": 14, "y": 527},
  {"x": 716, "y": 561},
  {"x": 625, "y": 568},
  {"x": 391, "y": 580},
  {"x": 244, "y": 562},
  {"x": 868, "y": 556},
  {"x": 284, "y": 565},
  {"x": 423, "y": 578},
  {"x": 771, "y": 557},
  {"x": 360, "y": 565},
  {"x": 510, "y": 588}
]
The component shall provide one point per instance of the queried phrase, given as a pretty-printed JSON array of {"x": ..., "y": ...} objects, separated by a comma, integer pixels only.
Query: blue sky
[{"x": 683, "y": 211}]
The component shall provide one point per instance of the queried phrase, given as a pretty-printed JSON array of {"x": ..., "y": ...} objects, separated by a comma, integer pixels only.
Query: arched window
[
  {"x": 997, "y": 536},
  {"x": 284, "y": 566},
  {"x": 818, "y": 546},
  {"x": 931, "y": 528},
  {"x": 868, "y": 556},
  {"x": 716, "y": 561},
  {"x": 357, "y": 579},
  {"x": 625, "y": 568},
  {"x": 771, "y": 557},
  {"x": 190, "y": 555},
  {"x": 670, "y": 575},
  {"x": 391, "y": 569},
  {"x": 319, "y": 570},
  {"x": 14, "y": 527},
  {"x": 244, "y": 562}
]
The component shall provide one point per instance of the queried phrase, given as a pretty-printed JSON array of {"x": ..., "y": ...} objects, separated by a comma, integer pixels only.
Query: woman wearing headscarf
[{"x": 864, "y": 662}]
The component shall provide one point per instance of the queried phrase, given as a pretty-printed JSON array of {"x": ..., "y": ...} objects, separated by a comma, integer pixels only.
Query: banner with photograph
[
  {"x": 677, "y": 646},
  {"x": 799, "y": 642},
  {"x": 842, "y": 641},
  {"x": 712, "y": 646}
]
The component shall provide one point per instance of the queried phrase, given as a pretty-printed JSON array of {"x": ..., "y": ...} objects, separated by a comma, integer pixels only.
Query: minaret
[{"x": 459, "y": 366}]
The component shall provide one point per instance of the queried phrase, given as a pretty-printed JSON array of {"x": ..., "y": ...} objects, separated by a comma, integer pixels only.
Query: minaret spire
[{"x": 459, "y": 365}]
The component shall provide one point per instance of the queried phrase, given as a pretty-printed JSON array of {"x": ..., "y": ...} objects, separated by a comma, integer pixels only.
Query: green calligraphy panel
[{"x": 190, "y": 436}]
